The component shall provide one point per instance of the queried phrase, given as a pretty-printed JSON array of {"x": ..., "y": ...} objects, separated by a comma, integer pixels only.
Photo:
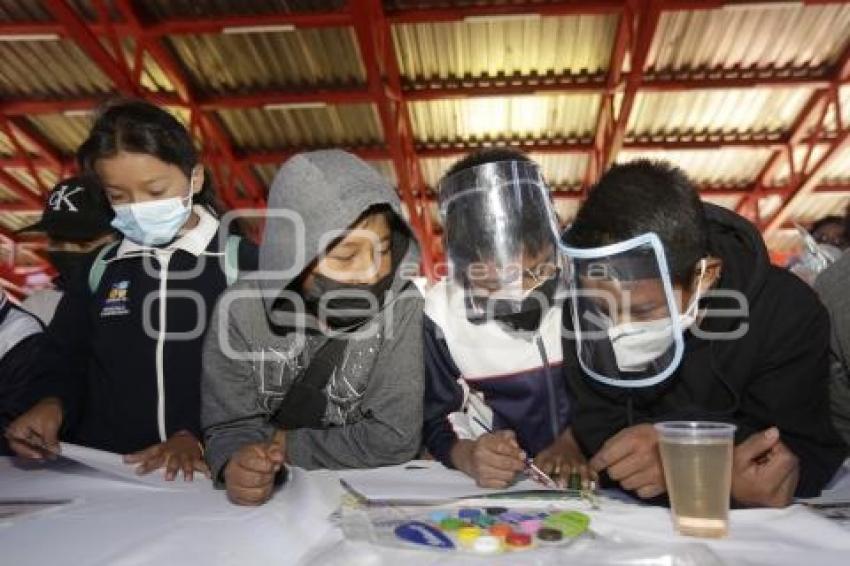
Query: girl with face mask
[{"x": 124, "y": 355}]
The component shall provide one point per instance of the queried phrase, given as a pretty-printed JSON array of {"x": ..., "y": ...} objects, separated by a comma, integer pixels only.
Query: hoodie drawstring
[{"x": 550, "y": 386}]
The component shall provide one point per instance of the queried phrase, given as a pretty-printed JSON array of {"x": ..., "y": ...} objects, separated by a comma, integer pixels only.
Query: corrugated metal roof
[
  {"x": 839, "y": 170},
  {"x": 526, "y": 46},
  {"x": 7, "y": 195},
  {"x": 753, "y": 110},
  {"x": 300, "y": 58},
  {"x": 562, "y": 171},
  {"x": 22, "y": 175},
  {"x": 566, "y": 209},
  {"x": 730, "y": 202},
  {"x": 163, "y": 9},
  {"x": 346, "y": 125},
  {"x": 48, "y": 69},
  {"x": 517, "y": 117},
  {"x": 66, "y": 133},
  {"x": 7, "y": 147},
  {"x": 781, "y": 176},
  {"x": 22, "y": 11},
  {"x": 747, "y": 37},
  {"x": 818, "y": 205},
  {"x": 727, "y": 167},
  {"x": 16, "y": 220}
]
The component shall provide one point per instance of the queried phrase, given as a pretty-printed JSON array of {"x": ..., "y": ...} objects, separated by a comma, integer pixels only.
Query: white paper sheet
[
  {"x": 113, "y": 465},
  {"x": 422, "y": 482},
  {"x": 837, "y": 492}
]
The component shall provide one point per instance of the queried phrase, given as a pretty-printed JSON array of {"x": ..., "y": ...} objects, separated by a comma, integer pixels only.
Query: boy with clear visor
[
  {"x": 677, "y": 314},
  {"x": 495, "y": 391}
]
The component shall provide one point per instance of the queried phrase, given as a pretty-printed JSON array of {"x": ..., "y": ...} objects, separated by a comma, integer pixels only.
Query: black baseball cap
[{"x": 76, "y": 210}]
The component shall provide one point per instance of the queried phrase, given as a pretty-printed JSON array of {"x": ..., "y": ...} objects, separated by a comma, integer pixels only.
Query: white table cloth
[{"x": 121, "y": 524}]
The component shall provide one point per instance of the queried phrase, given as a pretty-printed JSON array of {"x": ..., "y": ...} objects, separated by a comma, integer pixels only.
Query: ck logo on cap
[{"x": 62, "y": 195}]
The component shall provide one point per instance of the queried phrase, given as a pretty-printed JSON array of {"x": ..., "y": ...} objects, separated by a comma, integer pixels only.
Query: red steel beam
[
  {"x": 12, "y": 136},
  {"x": 212, "y": 128},
  {"x": 332, "y": 18},
  {"x": 21, "y": 191},
  {"x": 78, "y": 29},
  {"x": 427, "y": 90},
  {"x": 515, "y": 9},
  {"x": 259, "y": 99},
  {"x": 605, "y": 115},
  {"x": 45, "y": 149},
  {"x": 646, "y": 14},
  {"x": 187, "y": 26},
  {"x": 422, "y": 90},
  {"x": 375, "y": 40},
  {"x": 805, "y": 181}
]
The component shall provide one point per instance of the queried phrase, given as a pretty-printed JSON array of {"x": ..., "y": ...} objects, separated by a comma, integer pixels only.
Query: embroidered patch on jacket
[{"x": 116, "y": 300}]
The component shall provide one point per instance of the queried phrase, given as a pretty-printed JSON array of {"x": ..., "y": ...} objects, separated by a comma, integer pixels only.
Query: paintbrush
[{"x": 531, "y": 469}]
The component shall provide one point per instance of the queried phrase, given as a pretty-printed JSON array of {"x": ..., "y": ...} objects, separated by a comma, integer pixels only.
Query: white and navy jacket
[
  {"x": 483, "y": 374},
  {"x": 125, "y": 355}
]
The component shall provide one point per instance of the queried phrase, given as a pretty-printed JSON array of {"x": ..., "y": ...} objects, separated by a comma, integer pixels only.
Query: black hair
[
  {"x": 137, "y": 126},
  {"x": 468, "y": 246},
  {"x": 645, "y": 196},
  {"x": 826, "y": 221},
  {"x": 847, "y": 223}
]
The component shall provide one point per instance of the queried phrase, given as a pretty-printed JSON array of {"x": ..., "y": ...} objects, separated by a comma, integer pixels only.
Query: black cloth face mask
[
  {"x": 521, "y": 316},
  {"x": 67, "y": 264},
  {"x": 350, "y": 304}
]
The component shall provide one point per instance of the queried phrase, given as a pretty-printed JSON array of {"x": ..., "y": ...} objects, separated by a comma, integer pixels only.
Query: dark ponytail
[{"x": 137, "y": 126}]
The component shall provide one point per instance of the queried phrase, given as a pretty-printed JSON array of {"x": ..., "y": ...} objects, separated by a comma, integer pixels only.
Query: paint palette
[{"x": 477, "y": 530}]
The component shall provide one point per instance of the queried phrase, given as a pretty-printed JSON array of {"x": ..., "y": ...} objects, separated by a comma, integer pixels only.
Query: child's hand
[
  {"x": 561, "y": 457},
  {"x": 631, "y": 457},
  {"x": 493, "y": 460},
  {"x": 764, "y": 471},
  {"x": 180, "y": 452},
  {"x": 35, "y": 434},
  {"x": 249, "y": 475}
]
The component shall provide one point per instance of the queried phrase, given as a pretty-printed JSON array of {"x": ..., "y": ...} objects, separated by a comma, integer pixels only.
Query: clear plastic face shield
[
  {"x": 627, "y": 323},
  {"x": 814, "y": 258},
  {"x": 501, "y": 241}
]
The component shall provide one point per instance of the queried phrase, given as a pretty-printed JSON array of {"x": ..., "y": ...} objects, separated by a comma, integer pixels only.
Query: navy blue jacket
[
  {"x": 484, "y": 375},
  {"x": 125, "y": 363}
]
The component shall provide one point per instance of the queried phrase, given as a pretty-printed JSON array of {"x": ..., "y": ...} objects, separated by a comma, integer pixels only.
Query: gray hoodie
[
  {"x": 374, "y": 412},
  {"x": 831, "y": 285}
]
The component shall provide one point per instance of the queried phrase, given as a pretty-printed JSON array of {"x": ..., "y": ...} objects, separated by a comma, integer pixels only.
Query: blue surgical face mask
[{"x": 155, "y": 222}]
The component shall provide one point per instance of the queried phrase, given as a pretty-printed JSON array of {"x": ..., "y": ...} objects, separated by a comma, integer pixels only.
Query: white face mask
[
  {"x": 155, "y": 222},
  {"x": 637, "y": 344}
]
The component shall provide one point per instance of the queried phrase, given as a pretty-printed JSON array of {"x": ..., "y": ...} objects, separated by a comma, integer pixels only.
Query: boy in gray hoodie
[{"x": 317, "y": 360}]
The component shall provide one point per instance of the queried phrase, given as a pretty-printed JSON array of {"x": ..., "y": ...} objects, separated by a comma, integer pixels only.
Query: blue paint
[
  {"x": 469, "y": 513},
  {"x": 418, "y": 532},
  {"x": 438, "y": 516}
]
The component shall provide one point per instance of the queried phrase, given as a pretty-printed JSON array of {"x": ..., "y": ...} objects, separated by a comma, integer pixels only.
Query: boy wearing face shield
[
  {"x": 495, "y": 392},
  {"x": 677, "y": 314}
]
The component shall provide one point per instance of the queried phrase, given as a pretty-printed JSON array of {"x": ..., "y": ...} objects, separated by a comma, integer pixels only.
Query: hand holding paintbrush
[{"x": 530, "y": 469}]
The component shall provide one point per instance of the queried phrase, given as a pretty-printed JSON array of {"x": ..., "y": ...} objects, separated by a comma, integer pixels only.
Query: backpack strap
[
  {"x": 231, "y": 259},
  {"x": 99, "y": 266}
]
